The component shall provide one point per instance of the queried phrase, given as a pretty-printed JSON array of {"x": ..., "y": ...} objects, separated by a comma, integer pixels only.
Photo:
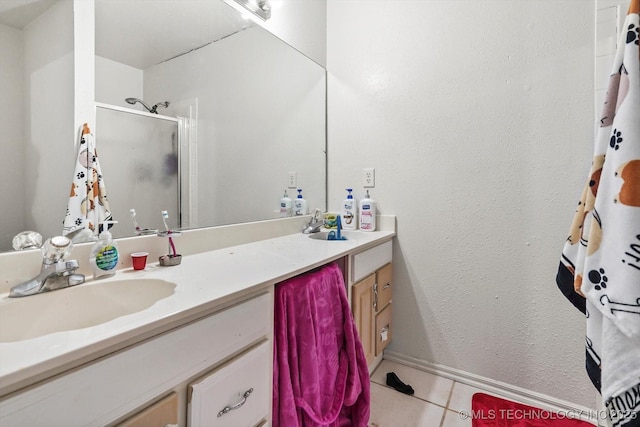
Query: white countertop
[{"x": 205, "y": 282}]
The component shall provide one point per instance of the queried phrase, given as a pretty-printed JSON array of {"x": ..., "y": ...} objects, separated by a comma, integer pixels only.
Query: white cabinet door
[{"x": 237, "y": 394}]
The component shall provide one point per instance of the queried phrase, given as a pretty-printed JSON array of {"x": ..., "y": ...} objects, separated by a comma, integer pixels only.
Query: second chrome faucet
[{"x": 315, "y": 223}]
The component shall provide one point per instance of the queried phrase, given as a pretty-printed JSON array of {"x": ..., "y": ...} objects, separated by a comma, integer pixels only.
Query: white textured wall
[
  {"x": 49, "y": 85},
  {"x": 12, "y": 135},
  {"x": 115, "y": 82},
  {"x": 478, "y": 117}
]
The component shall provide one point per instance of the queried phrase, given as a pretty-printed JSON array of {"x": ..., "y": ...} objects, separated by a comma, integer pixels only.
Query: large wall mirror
[{"x": 244, "y": 110}]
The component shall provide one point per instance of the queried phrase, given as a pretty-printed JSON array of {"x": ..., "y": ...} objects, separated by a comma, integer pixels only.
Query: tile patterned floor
[{"x": 437, "y": 401}]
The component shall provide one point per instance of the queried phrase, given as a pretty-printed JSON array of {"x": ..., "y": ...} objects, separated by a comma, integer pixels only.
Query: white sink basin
[
  {"x": 77, "y": 307},
  {"x": 324, "y": 235}
]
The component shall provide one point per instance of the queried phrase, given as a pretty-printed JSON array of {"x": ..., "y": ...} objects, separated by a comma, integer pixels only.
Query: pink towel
[{"x": 320, "y": 374}]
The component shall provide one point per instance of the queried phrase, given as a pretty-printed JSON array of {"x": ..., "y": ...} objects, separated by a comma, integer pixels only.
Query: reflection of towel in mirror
[
  {"x": 88, "y": 205},
  {"x": 320, "y": 372},
  {"x": 601, "y": 258}
]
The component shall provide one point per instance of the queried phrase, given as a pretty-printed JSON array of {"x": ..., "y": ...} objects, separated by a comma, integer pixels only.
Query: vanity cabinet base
[{"x": 105, "y": 391}]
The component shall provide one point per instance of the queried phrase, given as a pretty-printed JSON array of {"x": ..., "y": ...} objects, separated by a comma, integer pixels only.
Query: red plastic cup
[{"x": 139, "y": 260}]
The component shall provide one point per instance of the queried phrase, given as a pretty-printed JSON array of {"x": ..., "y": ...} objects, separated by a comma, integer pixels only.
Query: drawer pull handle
[
  {"x": 375, "y": 296},
  {"x": 388, "y": 285},
  {"x": 237, "y": 405}
]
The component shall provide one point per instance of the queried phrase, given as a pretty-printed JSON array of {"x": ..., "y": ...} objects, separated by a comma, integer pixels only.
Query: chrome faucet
[
  {"x": 315, "y": 223},
  {"x": 55, "y": 273}
]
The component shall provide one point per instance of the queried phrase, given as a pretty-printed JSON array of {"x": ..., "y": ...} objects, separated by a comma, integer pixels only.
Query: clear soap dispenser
[{"x": 104, "y": 254}]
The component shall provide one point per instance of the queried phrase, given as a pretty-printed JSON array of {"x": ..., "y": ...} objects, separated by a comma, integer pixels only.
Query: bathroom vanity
[
  {"x": 371, "y": 291},
  {"x": 201, "y": 354}
]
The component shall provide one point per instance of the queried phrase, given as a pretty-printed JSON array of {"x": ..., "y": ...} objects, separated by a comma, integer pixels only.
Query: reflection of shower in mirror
[{"x": 152, "y": 110}]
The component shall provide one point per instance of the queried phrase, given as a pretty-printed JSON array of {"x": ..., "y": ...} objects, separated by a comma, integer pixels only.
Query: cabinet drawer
[
  {"x": 366, "y": 262},
  {"x": 384, "y": 287},
  {"x": 237, "y": 394},
  {"x": 383, "y": 329}
]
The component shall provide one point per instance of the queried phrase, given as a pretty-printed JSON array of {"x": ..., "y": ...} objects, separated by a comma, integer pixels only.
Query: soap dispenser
[
  {"x": 367, "y": 213},
  {"x": 286, "y": 206},
  {"x": 104, "y": 254},
  {"x": 349, "y": 212},
  {"x": 300, "y": 204}
]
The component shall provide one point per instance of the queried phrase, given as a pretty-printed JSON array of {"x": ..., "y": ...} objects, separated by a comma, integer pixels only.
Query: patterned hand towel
[{"x": 88, "y": 205}]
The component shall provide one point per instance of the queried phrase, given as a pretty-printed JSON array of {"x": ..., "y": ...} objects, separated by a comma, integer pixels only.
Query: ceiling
[
  {"x": 18, "y": 13},
  {"x": 142, "y": 33}
]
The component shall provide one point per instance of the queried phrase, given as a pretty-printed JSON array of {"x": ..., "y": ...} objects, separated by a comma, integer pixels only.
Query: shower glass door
[{"x": 139, "y": 155}]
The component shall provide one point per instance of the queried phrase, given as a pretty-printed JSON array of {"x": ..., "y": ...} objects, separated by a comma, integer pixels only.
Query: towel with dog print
[
  {"x": 88, "y": 205},
  {"x": 600, "y": 265}
]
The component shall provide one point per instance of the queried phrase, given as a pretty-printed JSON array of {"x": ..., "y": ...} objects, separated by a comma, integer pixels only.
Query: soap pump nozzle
[
  {"x": 105, "y": 234},
  {"x": 349, "y": 196}
]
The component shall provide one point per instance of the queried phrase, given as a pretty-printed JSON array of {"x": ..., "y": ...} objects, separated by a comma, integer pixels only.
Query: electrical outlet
[
  {"x": 292, "y": 182},
  {"x": 369, "y": 177}
]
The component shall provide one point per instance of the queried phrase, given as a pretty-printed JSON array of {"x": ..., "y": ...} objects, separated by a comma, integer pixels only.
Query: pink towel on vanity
[{"x": 320, "y": 374}]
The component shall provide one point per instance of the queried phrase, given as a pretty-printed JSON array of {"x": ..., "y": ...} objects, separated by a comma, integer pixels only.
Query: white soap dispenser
[
  {"x": 367, "y": 213},
  {"x": 104, "y": 254},
  {"x": 349, "y": 212},
  {"x": 286, "y": 206},
  {"x": 300, "y": 204}
]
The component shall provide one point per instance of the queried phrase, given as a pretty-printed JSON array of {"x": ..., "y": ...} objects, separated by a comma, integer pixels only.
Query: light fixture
[{"x": 260, "y": 8}]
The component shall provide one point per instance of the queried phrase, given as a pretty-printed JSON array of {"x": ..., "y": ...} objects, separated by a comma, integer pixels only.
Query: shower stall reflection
[{"x": 140, "y": 159}]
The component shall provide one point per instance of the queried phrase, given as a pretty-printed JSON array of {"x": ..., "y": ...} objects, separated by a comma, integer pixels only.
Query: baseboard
[{"x": 528, "y": 397}]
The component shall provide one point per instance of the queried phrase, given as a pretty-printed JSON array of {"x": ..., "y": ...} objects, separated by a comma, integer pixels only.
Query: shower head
[
  {"x": 153, "y": 109},
  {"x": 133, "y": 101}
]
